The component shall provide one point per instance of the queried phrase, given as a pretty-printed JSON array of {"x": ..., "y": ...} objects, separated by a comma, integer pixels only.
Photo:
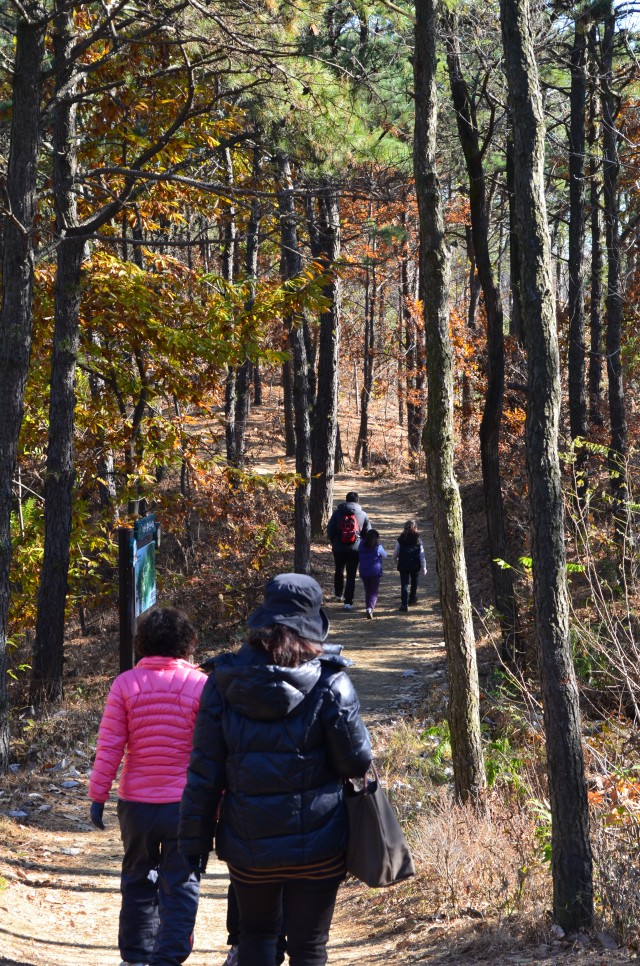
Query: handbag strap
[{"x": 370, "y": 777}]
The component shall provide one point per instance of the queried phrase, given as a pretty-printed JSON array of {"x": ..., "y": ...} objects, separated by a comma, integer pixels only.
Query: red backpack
[{"x": 349, "y": 527}]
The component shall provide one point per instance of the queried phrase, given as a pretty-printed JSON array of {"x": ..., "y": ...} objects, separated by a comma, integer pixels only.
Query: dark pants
[
  {"x": 371, "y": 588},
  {"x": 345, "y": 559},
  {"x": 233, "y": 927},
  {"x": 159, "y": 889},
  {"x": 408, "y": 579},
  {"x": 307, "y": 908}
]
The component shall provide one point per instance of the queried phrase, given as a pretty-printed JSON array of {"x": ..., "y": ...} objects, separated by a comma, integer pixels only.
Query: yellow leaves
[
  {"x": 618, "y": 797},
  {"x": 515, "y": 417}
]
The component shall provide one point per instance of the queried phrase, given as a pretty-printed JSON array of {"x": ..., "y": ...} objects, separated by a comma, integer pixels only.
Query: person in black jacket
[
  {"x": 410, "y": 560},
  {"x": 347, "y": 525},
  {"x": 278, "y": 732}
]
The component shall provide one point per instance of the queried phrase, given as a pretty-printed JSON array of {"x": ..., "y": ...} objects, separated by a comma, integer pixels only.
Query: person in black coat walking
[
  {"x": 347, "y": 525},
  {"x": 410, "y": 560},
  {"x": 278, "y": 732}
]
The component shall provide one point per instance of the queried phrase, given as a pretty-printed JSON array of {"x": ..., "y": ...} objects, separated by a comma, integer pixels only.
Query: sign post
[{"x": 137, "y": 579}]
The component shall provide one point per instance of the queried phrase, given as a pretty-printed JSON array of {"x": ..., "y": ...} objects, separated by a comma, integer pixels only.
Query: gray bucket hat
[{"x": 293, "y": 600}]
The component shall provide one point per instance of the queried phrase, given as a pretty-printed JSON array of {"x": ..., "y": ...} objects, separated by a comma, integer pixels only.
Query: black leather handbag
[{"x": 377, "y": 851}]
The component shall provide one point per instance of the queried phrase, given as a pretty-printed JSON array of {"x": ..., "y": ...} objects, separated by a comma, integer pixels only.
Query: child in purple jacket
[{"x": 371, "y": 554}]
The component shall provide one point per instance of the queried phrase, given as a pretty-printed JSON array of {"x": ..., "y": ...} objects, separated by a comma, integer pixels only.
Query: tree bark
[
  {"x": 228, "y": 266},
  {"x": 290, "y": 268},
  {"x": 475, "y": 285},
  {"x": 464, "y": 714},
  {"x": 340, "y": 463},
  {"x": 325, "y": 424},
  {"x": 414, "y": 358},
  {"x": 257, "y": 385},
  {"x": 577, "y": 195},
  {"x": 48, "y": 650},
  {"x": 402, "y": 361},
  {"x": 245, "y": 372},
  {"x": 16, "y": 317},
  {"x": 503, "y": 584},
  {"x": 370, "y": 302},
  {"x": 287, "y": 403},
  {"x": 516, "y": 322},
  {"x": 618, "y": 446},
  {"x": 597, "y": 234},
  {"x": 571, "y": 850}
]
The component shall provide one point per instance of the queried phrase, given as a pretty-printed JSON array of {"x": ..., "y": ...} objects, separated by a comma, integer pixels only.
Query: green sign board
[
  {"x": 145, "y": 576},
  {"x": 137, "y": 578}
]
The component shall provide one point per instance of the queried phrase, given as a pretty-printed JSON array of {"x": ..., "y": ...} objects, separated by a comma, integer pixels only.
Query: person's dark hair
[
  {"x": 283, "y": 645},
  {"x": 410, "y": 534},
  {"x": 352, "y": 497},
  {"x": 165, "y": 632},
  {"x": 371, "y": 539}
]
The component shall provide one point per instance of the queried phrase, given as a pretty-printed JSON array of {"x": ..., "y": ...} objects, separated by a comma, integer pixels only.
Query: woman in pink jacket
[{"x": 149, "y": 719}]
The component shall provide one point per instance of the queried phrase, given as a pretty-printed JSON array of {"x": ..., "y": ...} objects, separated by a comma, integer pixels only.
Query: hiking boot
[
  {"x": 369, "y": 613},
  {"x": 232, "y": 957},
  {"x": 413, "y": 600},
  {"x": 338, "y": 597},
  {"x": 348, "y": 607},
  {"x": 403, "y": 607}
]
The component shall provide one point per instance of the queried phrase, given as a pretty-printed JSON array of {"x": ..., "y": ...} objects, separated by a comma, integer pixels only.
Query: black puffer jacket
[{"x": 278, "y": 742}]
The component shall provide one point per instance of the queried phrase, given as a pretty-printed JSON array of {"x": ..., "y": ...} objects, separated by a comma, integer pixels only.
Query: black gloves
[
  {"x": 198, "y": 862},
  {"x": 95, "y": 813}
]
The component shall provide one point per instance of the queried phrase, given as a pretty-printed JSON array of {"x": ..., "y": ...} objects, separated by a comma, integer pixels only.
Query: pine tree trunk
[
  {"x": 340, "y": 464},
  {"x": 325, "y": 426},
  {"x": 370, "y": 302},
  {"x": 17, "y": 294},
  {"x": 401, "y": 377},
  {"x": 503, "y": 584},
  {"x": 571, "y": 850},
  {"x": 257, "y": 385},
  {"x": 577, "y": 194},
  {"x": 597, "y": 234},
  {"x": 287, "y": 402},
  {"x": 516, "y": 322},
  {"x": 48, "y": 650},
  {"x": 245, "y": 372},
  {"x": 228, "y": 271},
  {"x": 475, "y": 285},
  {"x": 414, "y": 361},
  {"x": 464, "y": 702},
  {"x": 611, "y": 172},
  {"x": 290, "y": 268}
]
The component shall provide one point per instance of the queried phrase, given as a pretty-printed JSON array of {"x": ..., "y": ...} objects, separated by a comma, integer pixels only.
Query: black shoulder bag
[{"x": 377, "y": 852}]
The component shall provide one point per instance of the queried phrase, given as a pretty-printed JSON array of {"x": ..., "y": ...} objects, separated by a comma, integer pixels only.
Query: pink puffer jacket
[{"x": 149, "y": 718}]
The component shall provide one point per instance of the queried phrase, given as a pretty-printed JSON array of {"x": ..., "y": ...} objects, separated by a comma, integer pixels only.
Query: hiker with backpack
[
  {"x": 410, "y": 560},
  {"x": 348, "y": 524},
  {"x": 371, "y": 553}
]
